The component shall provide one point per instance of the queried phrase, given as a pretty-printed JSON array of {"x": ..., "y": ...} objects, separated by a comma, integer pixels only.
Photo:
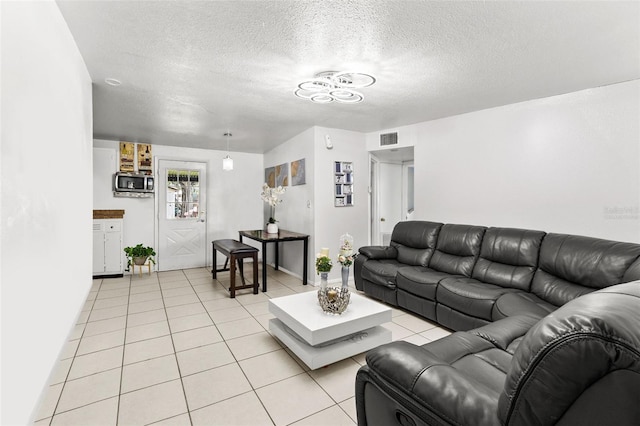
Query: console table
[{"x": 282, "y": 236}]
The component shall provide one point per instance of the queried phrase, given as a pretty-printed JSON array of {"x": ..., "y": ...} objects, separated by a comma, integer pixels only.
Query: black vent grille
[{"x": 389, "y": 139}]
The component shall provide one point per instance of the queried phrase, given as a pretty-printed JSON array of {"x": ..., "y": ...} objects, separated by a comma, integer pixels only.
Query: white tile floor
[{"x": 172, "y": 348}]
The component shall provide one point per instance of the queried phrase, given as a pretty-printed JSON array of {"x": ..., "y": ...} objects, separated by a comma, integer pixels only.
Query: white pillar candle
[{"x": 324, "y": 252}]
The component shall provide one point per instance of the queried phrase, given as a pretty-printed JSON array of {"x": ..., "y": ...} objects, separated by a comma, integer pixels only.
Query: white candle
[{"x": 324, "y": 252}]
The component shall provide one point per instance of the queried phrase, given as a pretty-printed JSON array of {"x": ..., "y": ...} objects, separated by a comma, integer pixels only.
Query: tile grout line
[
  {"x": 175, "y": 353},
  {"x": 73, "y": 358},
  {"x": 124, "y": 348},
  {"x": 237, "y": 362}
]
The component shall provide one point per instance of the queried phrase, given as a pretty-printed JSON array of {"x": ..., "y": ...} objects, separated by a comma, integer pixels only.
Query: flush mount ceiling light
[
  {"x": 329, "y": 86},
  {"x": 112, "y": 81},
  {"x": 227, "y": 162}
]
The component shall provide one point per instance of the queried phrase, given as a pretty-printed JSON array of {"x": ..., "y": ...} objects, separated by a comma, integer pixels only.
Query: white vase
[
  {"x": 272, "y": 228},
  {"x": 324, "y": 280}
]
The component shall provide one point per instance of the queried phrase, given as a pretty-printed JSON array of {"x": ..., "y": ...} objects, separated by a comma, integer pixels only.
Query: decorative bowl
[{"x": 334, "y": 300}]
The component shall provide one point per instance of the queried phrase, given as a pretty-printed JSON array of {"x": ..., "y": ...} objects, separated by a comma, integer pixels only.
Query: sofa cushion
[
  {"x": 572, "y": 265},
  {"x": 419, "y": 281},
  {"x": 521, "y": 303},
  {"x": 381, "y": 272},
  {"x": 508, "y": 257},
  {"x": 415, "y": 241},
  {"x": 416, "y": 233},
  {"x": 470, "y": 296},
  {"x": 586, "y": 352},
  {"x": 379, "y": 252},
  {"x": 454, "y": 380},
  {"x": 457, "y": 249}
]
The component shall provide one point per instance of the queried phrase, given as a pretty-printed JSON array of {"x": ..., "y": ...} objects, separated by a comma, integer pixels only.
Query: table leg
[
  {"x": 214, "y": 267},
  {"x": 304, "y": 261},
  {"x": 255, "y": 272},
  {"x": 232, "y": 268},
  {"x": 264, "y": 266},
  {"x": 277, "y": 255}
]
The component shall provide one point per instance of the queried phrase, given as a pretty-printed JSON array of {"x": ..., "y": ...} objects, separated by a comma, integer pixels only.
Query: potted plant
[
  {"x": 323, "y": 267},
  {"x": 139, "y": 254},
  {"x": 271, "y": 197}
]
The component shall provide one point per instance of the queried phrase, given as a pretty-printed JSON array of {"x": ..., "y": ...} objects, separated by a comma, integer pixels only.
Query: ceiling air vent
[{"x": 389, "y": 139}]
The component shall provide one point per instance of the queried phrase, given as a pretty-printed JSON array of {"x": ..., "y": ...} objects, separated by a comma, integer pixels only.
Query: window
[{"x": 183, "y": 194}]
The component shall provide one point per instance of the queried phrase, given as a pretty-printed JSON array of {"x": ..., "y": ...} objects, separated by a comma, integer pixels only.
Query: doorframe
[
  {"x": 405, "y": 188},
  {"x": 156, "y": 207},
  {"x": 374, "y": 199}
]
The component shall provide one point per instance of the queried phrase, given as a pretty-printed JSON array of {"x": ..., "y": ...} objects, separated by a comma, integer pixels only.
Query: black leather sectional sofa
[
  {"x": 548, "y": 335},
  {"x": 466, "y": 276},
  {"x": 579, "y": 366}
]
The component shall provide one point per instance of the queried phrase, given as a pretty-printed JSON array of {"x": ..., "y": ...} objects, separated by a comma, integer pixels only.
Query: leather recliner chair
[{"x": 579, "y": 365}]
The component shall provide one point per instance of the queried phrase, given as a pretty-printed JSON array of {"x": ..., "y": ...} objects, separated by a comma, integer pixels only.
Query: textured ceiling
[{"x": 192, "y": 70}]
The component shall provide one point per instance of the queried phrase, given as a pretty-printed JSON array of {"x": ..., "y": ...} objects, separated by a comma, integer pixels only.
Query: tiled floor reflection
[{"x": 172, "y": 348}]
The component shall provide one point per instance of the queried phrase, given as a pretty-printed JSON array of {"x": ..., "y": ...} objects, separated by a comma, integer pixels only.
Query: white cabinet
[{"x": 107, "y": 247}]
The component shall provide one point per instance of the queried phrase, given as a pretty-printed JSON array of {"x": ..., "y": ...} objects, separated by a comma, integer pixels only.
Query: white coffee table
[{"x": 319, "y": 339}]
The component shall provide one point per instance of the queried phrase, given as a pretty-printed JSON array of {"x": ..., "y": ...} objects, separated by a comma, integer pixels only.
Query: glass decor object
[{"x": 324, "y": 280}]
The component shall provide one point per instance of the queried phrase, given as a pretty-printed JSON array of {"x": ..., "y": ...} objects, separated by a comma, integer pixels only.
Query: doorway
[
  {"x": 391, "y": 193},
  {"x": 181, "y": 213}
]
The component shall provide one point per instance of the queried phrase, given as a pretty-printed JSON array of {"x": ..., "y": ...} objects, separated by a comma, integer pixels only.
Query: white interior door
[
  {"x": 389, "y": 199},
  {"x": 182, "y": 227}
]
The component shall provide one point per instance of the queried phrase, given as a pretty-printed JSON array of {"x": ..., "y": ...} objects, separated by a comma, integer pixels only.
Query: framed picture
[
  {"x": 298, "y": 172},
  {"x": 145, "y": 164},
  {"x": 127, "y": 150},
  {"x": 282, "y": 174},
  {"x": 270, "y": 176}
]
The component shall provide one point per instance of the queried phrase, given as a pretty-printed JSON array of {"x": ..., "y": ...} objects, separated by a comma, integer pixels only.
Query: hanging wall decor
[
  {"x": 343, "y": 183},
  {"x": 145, "y": 163},
  {"x": 126, "y": 156},
  {"x": 270, "y": 176},
  {"x": 282, "y": 175},
  {"x": 298, "y": 172}
]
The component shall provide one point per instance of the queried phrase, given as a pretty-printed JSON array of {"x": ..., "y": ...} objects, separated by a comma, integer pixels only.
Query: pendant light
[{"x": 227, "y": 162}]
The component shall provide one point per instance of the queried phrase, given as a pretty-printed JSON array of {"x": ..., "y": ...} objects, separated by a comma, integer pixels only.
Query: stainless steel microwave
[{"x": 133, "y": 185}]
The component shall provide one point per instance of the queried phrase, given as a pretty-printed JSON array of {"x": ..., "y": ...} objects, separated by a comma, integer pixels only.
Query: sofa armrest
[
  {"x": 412, "y": 372},
  {"x": 379, "y": 252}
]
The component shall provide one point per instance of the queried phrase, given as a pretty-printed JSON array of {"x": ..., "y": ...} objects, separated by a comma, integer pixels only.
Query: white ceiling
[{"x": 192, "y": 70}]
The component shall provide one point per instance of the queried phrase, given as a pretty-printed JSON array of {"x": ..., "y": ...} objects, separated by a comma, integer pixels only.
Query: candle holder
[{"x": 334, "y": 300}]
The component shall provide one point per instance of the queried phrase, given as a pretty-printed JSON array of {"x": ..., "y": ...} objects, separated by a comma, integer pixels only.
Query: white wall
[
  {"x": 331, "y": 222},
  {"x": 310, "y": 208},
  {"x": 296, "y": 212},
  {"x": 46, "y": 198},
  {"x": 567, "y": 163},
  {"x": 233, "y": 197}
]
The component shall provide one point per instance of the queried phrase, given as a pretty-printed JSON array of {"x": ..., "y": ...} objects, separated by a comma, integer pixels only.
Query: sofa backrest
[
  {"x": 571, "y": 265},
  {"x": 457, "y": 249},
  {"x": 508, "y": 257},
  {"x": 579, "y": 365},
  {"x": 415, "y": 241}
]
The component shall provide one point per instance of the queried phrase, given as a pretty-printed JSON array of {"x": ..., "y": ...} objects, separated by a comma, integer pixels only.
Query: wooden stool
[
  {"x": 235, "y": 252},
  {"x": 133, "y": 268}
]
